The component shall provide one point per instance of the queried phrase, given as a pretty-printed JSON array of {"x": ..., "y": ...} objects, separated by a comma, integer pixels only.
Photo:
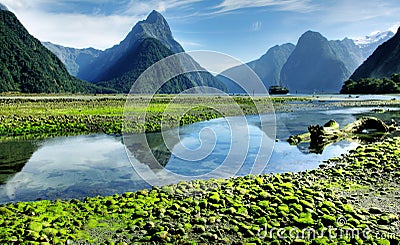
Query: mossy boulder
[
  {"x": 305, "y": 219},
  {"x": 35, "y": 226},
  {"x": 331, "y": 124}
]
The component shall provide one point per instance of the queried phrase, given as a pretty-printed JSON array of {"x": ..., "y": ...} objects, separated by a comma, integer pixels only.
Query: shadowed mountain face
[
  {"x": 73, "y": 59},
  {"x": 315, "y": 65},
  {"x": 148, "y": 52},
  {"x": 269, "y": 66},
  {"x": 27, "y": 66},
  {"x": 384, "y": 62}
]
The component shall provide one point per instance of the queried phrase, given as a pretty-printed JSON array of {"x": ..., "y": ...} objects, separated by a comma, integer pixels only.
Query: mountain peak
[
  {"x": 315, "y": 65},
  {"x": 153, "y": 27},
  {"x": 154, "y": 17},
  {"x": 309, "y": 32},
  {"x": 156, "y": 26},
  {"x": 3, "y": 7},
  {"x": 312, "y": 35},
  {"x": 313, "y": 42}
]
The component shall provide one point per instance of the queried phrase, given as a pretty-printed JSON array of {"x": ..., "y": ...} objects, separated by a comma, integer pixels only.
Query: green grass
[{"x": 72, "y": 114}]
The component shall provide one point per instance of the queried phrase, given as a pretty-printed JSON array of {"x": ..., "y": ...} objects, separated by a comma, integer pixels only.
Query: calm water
[{"x": 78, "y": 166}]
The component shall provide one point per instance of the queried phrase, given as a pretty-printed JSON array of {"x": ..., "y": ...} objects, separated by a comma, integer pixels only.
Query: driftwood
[
  {"x": 321, "y": 136},
  {"x": 367, "y": 125}
]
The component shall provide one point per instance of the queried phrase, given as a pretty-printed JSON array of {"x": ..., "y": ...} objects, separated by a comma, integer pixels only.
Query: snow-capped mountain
[
  {"x": 374, "y": 37},
  {"x": 368, "y": 44}
]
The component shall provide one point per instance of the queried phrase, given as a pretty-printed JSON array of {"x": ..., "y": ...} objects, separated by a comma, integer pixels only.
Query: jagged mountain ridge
[
  {"x": 155, "y": 26},
  {"x": 368, "y": 44}
]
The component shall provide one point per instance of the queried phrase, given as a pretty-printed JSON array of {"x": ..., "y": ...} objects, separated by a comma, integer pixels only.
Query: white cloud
[
  {"x": 105, "y": 28},
  {"x": 77, "y": 30},
  {"x": 287, "y": 5},
  {"x": 256, "y": 26},
  {"x": 189, "y": 44},
  {"x": 394, "y": 28},
  {"x": 358, "y": 11},
  {"x": 74, "y": 29},
  {"x": 13, "y": 4},
  {"x": 135, "y": 6}
]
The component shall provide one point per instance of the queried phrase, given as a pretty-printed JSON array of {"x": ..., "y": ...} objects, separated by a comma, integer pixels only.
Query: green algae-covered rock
[
  {"x": 305, "y": 219},
  {"x": 332, "y": 124},
  {"x": 328, "y": 220},
  {"x": 35, "y": 226}
]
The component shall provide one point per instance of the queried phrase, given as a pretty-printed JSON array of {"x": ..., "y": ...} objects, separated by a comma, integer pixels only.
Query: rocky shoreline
[{"x": 352, "y": 199}]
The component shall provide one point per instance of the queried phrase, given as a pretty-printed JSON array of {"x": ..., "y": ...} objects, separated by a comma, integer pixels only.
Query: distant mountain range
[
  {"x": 118, "y": 67},
  {"x": 267, "y": 67},
  {"x": 315, "y": 64},
  {"x": 27, "y": 66}
]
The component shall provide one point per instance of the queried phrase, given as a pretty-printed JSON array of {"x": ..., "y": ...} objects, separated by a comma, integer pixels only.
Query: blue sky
[{"x": 244, "y": 29}]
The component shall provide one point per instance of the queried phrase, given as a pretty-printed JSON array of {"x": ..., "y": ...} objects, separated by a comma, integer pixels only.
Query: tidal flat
[
  {"x": 51, "y": 115},
  {"x": 351, "y": 199}
]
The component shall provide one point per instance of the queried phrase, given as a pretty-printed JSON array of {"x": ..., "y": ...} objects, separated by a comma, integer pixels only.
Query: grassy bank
[
  {"x": 71, "y": 114},
  {"x": 49, "y": 115},
  {"x": 273, "y": 208}
]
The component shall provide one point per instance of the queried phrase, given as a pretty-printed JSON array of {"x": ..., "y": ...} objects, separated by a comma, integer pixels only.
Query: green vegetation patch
[
  {"x": 372, "y": 85},
  {"x": 83, "y": 114}
]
